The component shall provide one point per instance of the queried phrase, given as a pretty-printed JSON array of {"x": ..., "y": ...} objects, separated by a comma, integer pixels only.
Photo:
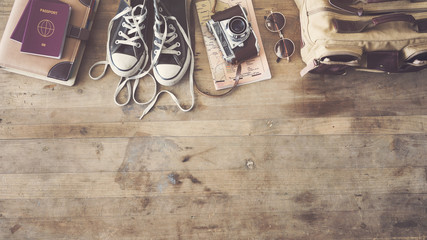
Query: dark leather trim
[
  {"x": 345, "y": 6},
  {"x": 87, "y": 3},
  {"x": 228, "y": 13},
  {"x": 61, "y": 71},
  {"x": 344, "y": 26},
  {"x": 78, "y": 33},
  {"x": 387, "y": 61},
  {"x": 422, "y": 25},
  {"x": 248, "y": 51}
]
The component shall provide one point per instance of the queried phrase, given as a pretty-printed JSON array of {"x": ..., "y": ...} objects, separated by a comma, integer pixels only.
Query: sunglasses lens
[
  {"x": 284, "y": 48},
  {"x": 275, "y": 22}
]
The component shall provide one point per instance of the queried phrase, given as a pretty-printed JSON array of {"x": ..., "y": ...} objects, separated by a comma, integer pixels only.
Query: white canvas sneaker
[
  {"x": 171, "y": 55},
  {"x": 171, "y": 41},
  {"x": 126, "y": 45}
]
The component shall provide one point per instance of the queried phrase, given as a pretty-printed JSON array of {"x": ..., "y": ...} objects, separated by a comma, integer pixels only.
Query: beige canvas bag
[{"x": 371, "y": 35}]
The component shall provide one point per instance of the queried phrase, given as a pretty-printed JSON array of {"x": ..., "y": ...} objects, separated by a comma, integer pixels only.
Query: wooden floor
[{"x": 319, "y": 157}]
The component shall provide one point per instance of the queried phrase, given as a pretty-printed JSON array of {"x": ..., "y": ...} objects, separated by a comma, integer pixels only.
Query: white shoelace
[
  {"x": 133, "y": 23},
  {"x": 170, "y": 37}
]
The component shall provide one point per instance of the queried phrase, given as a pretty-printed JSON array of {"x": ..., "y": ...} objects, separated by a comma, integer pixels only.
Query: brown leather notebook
[{"x": 61, "y": 71}]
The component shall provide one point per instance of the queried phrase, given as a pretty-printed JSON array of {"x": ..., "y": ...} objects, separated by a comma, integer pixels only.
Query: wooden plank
[
  {"x": 134, "y": 180},
  {"x": 223, "y": 226},
  {"x": 296, "y": 126},
  {"x": 50, "y": 156},
  {"x": 213, "y": 203}
]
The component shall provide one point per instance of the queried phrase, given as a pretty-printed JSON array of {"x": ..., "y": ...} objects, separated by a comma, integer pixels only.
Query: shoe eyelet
[
  {"x": 178, "y": 53},
  {"x": 138, "y": 45},
  {"x": 156, "y": 52},
  {"x": 123, "y": 24},
  {"x": 175, "y": 35},
  {"x": 178, "y": 44},
  {"x": 120, "y": 33},
  {"x": 160, "y": 9},
  {"x": 116, "y": 42},
  {"x": 170, "y": 26}
]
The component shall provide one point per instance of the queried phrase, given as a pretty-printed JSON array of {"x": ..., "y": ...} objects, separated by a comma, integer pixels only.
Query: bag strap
[
  {"x": 77, "y": 32},
  {"x": 345, "y": 5},
  {"x": 193, "y": 12},
  {"x": 344, "y": 26}
]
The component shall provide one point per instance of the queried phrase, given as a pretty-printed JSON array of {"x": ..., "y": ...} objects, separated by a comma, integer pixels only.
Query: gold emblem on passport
[{"x": 45, "y": 28}]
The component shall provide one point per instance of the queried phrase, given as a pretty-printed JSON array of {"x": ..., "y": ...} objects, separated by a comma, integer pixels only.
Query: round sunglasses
[{"x": 285, "y": 47}]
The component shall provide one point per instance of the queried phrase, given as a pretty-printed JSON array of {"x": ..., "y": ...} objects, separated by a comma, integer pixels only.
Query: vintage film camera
[{"x": 234, "y": 34}]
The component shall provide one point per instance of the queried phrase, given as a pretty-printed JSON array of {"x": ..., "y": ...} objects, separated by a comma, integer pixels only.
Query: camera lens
[{"x": 237, "y": 25}]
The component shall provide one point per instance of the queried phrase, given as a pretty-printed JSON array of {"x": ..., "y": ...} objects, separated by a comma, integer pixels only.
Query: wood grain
[{"x": 319, "y": 157}]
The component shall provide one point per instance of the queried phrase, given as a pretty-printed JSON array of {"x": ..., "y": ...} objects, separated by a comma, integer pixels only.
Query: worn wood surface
[{"x": 319, "y": 157}]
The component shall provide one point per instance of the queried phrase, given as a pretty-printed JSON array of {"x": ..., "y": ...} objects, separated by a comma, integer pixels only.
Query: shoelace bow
[{"x": 133, "y": 24}]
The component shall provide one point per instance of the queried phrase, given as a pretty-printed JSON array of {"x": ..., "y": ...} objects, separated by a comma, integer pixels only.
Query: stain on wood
[
  {"x": 186, "y": 159},
  {"x": 177, "y": 179},
  {"x": 145, "y": 202},
  {"x": 400, "y": 147},
  {"x": 132, "y": 173},
  {"x": 310, "y": 217},
  {"x": 83, "y": 131},
  {"x": 174, "y": 178},
  {"x": 50, "y": 87},
  {"x": 305, "y": 198},
  {"x": 401, "y": 171},
  {"x": 15, "y": 228},
  {"x": 406, "y": 224},
  {"x": 193, "y": 179}
]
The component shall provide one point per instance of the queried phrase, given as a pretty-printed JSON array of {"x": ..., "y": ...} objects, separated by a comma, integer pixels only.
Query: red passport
[
  {"x": 18, "y": 32},
  {"x": 46, "y": 28}
]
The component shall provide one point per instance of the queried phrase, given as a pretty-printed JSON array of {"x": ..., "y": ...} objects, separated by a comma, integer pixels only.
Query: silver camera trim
[
  {"x": 236, "y": 40},
  {"x": 221, "y": 29},
  {"x": 222, "y": 42}
]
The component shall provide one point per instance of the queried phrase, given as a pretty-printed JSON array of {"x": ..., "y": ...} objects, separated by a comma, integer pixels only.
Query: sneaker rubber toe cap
[
  {"x": 168, "y": 74},
  {"x": 123, "y": 62},
  {"x": 168, "y": 71}
]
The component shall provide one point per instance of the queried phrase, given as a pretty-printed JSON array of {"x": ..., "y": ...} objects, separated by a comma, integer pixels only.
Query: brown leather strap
[
  {"x": 193, "y": 12},
  {"x": 344, "y": 26},
  {"x": 345, "y": 5},
  {"x": 422, "y": 25},
  {"x": 78, "y": 33},
  {"x": 214, "y": 7},
  {"x": 236, "y": 82},
  {"x": 223, "y": 15}
]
